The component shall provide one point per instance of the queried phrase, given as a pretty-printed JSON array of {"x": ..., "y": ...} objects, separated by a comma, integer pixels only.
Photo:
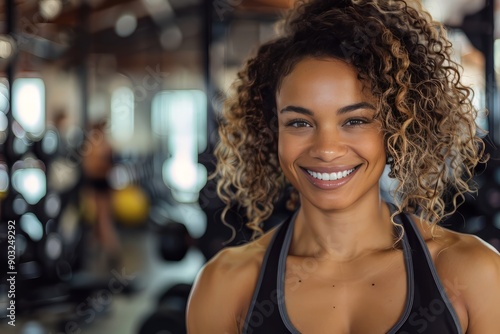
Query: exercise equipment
[
  {"x": 176, "y": 296},
  {"x": 174, "y": 241},
  {"x": 170, "y": 315},
  {"x": 164, "y": 320},
  {"x": 130, "y": 206}
]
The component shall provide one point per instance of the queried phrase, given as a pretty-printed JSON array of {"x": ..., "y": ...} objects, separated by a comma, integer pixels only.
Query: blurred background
[{"x": 107, "y": 128}]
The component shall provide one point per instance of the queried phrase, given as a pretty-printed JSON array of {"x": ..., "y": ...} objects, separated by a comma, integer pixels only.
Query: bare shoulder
[
  {"x": 224, "y": 286},
  {"x": 459, "y": 251},
  {"x": 470, "y": 271},
  {"x": 469, "y": 258}
]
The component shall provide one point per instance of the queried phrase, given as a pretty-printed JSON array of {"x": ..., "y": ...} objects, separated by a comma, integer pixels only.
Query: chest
[{"x": 346, "y": 298}]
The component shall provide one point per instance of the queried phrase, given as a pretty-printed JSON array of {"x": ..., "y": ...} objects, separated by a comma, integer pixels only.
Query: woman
[
  {"x": 97, "y": 162},
  {"x": 350, "y": 87}
]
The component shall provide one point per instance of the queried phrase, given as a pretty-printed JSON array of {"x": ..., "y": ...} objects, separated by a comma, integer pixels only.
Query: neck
[{"x": 342, "y": 235}]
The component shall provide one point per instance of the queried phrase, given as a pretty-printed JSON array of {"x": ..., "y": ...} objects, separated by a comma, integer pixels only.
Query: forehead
[{"x": 323, "y": 81}]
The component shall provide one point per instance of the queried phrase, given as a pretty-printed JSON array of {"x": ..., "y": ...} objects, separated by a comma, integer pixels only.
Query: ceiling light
[
  {"x": 49, "y": 9},
  {"x": 126, "y": 25}
]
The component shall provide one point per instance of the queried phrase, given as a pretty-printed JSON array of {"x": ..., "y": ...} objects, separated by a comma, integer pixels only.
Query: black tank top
[{"x": 428, "y": 309}]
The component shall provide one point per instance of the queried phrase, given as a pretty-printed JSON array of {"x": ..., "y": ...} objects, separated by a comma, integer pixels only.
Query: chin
[{"x": 328, "y": 204}]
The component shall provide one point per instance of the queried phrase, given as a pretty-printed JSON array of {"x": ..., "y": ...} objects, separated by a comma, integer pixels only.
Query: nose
[{"x": 328, "y": 144}]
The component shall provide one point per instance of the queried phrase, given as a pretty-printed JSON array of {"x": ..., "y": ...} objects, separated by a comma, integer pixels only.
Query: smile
[{"x": 331, "y": 176}]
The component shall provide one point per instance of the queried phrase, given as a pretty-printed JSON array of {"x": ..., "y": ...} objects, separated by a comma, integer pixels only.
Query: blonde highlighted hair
[{"x": 426, "y": 112}]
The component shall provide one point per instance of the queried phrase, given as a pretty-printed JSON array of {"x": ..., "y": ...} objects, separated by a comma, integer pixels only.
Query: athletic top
[{"x": 268, "y": 314}]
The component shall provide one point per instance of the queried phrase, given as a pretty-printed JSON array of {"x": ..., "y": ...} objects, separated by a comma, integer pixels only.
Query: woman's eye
[
  {"x": 355, "y": 122},
  {"x": 298, "y": 123}
]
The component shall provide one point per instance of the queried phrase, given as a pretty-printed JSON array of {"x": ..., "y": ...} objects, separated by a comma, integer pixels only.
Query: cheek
[
  {"x": 376, "y": 145},
  {"x": 282, "y": 150},
  {"x": 287, "y": 152},
  {"x": 376, "y": 149},
  {"x": 373, "y": 141},
  {"x": 286, "y": 156}
]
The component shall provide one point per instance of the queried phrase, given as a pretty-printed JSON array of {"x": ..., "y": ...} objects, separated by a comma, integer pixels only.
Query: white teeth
[{"x": 331, "y": 176}]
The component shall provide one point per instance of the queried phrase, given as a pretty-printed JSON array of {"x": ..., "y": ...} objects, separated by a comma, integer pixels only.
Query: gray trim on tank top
[
  {"x": 259, "y": 281},
  {"x": 409, "y": 273},
  {"x": 410, "y": 278},
  {"x": 281, "y": 282},
  {"x": 439, "y": 284}
]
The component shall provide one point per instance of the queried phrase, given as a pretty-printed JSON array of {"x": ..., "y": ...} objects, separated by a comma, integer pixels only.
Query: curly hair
[{"x": 427, "y": 116}]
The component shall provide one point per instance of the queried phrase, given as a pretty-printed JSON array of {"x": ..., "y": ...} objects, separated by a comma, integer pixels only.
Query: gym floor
[{"x": 142, "y": 265}]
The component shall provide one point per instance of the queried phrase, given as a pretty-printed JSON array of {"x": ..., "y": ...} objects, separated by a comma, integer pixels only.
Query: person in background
[
  {"x": 96, "y": 164},
  {"x": 350, "y": 87}
]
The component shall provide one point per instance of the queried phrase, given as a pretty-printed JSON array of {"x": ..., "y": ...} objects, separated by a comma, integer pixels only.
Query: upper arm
[
  {"x": 213, "y": 303},
  {"x": 482, "y": 295}
]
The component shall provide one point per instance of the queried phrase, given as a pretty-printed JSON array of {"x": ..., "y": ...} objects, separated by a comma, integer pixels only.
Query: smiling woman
[
  {"x": 327, "y": 127},
  {"x": 351, "y": 86}
]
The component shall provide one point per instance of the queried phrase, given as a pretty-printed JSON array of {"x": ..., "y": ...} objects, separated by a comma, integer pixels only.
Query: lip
[
  {"x": 329, "y": 170},
  {"x": 331, "y": 184}
]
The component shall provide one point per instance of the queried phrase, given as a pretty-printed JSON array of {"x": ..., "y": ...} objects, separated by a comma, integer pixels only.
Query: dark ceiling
[{"x": 81, "y": 28}]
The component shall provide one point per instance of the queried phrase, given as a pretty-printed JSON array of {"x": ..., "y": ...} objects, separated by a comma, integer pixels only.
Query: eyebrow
[{"x": 343, "y": 110}]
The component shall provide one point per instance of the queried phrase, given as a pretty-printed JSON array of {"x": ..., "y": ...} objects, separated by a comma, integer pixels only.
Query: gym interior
[{"x": 108, "y": 123}]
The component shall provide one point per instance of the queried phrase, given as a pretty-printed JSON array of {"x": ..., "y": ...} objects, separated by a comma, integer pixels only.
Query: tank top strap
[
  {"x": 431, "y": 311},
  {"x": 263, "y": 311}
]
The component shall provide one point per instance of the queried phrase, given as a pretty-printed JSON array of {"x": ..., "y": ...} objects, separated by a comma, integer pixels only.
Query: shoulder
[
  {"x": 469, "y": 269},
  {"x": 224, "y": 287},
  {"x": 469, "y": 258},
  {"x": 453, "y": 251}
]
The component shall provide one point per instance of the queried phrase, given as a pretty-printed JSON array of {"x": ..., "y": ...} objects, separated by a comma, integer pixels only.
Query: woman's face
[{"x": 330, "y": 146}]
